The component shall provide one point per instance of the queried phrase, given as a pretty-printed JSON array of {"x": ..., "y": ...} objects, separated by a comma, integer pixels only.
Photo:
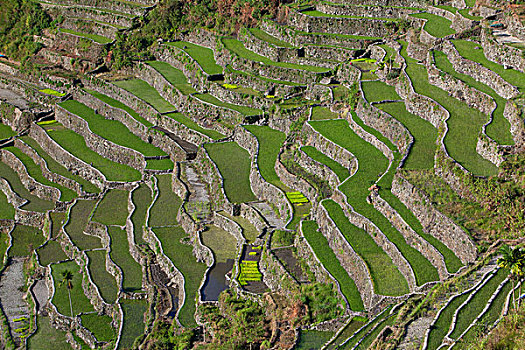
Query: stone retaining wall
[
  {"x": 22, "y": 216},
  {"x": 65, "y": 158},
  {"x": 98, "y": 144},
  {"x": 380, "y": 11},
  {"x": 515, "y": 116},
  {"x": 117, "y": 6},
  {"x": 275, "y": 276},
  {"x": 478, "y": 72},
  {"x": 90, "y": 27},
  {"x": 490, "y": 150},
  {"x": 434, "y": 222},
  {"x": 504, "y": 55},
  {"x": 34, "y": 187},
  {"x": 79, "y": 46},
  {"x": 253, "y": 82},
  {"x": 253, "y": 216},
  {"x": 295, "y": 182},
  {"x": 86, "y": 13},
  {"x": 320, "y": 169}
]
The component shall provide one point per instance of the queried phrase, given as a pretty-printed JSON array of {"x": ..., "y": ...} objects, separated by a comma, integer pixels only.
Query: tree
[
  {"x": 67, "y": 280},
  {"x": 514, "y": 261}
]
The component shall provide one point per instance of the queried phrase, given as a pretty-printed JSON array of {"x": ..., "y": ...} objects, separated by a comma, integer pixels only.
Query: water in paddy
[{"x": 216, "y": 280}]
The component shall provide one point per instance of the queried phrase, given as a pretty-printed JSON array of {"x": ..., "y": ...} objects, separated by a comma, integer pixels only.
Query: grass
[
  {"x": 113, "y": 208},
  {"x": 442, "y": 325},
  {"x": 316, "y": 13},
  {"x": 370, "y": 337},
  {"x": 182, "y": 257},
  {"x": 376, "y": 91},
  {"x": 51, "y": 252},
  {"x": 57, "y": 221},
  {"x": 6, "y": 132},
  {"x": 460, "y": 145},
  {"x": 59, "y": 169},
  {"x": 310, "y": 339},
  {"x": 270, "y": 143},
  {"x": 78, "y": 219},
  {"x": 34, "y": 170},
  {"x": 131, "y": 270},
  {"x": 175, "y": 76},
  {"x": 106, "y": 283},
  {"x": 4, "y": 242},
  {"x": 422, "y": 152},
  {"x": 322, "y": 250},
  {"x": 238, "y": 48},
  {"x": 7, "y": 211},
  {"x": 117, "y": 104},
  {"x": 321, "y": 113},
  {"x": 96, "y": 38},
  {"x": 474, "y": 52},
  {"x": 60, "y": 299},
  {"x": 35, "y": 203},
  {"x": 165, "y": 209},
  {"x": 100, "y": 326},
  {"x": 465, "y": 13},
  {"x": 234, "y": 164},
  {"x": 76, "y": 145},
  {"x": 47, "y": 337},
  {"x": 222, "y": 243},
  {"x": 112, "y": 130},
  {"x": 499, "y": 127},
  {"x": 52, "y": 92},
  {"x": 181, "y": 118},
  {"x": 25, "y": 239},
  {"x": 159, "y": 164},
  {"x": 353, "y": 326},
  {"x": 141, "y": 198},
  {"x": 386, "y": 277},
  {"x": 146, "y": 92},
  {"x": 471, "y": 310},
  {"x": 134, "y": 325},
  {"x": 247, "y": 111},
  {"x": 372, "y": 164},
  {"x": 258, "y": 77},
  {"x": 350, "y": 344},
  {"x": 436, "y": 26},
  {"x": 312, "y": 152},
  {"x": 262, "y": 35},
  {"x": 201, "y": 54}
]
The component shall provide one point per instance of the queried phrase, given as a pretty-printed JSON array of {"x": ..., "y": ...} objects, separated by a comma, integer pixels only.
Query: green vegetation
[
  {"x": 52, "y": 92},
  {"x": 34, "y": 170},
  {"x": 474, "y": 52},
  {"x": 234, "y": 164},
  {"x": 78, "y": 219},
  {"x": 113, "y": 130},
  {"x": 321, "y": 113},
  {"x": 249, "y": 231},
  {"x": 117, "y": 104},
  {"x": 222, "y": 243},
  {"x": 477, "y": 303},
  {"x": 465, "y": 13},
  {"x": 133, "y": 326},
  {"x": 57, "y": 168},
  {"x": 201, "y": 54},
  {"x": 7, "y": 211},
  {"x": 270, "y": 143},
  {"x": 385, "y": 275},
  {"x": 47, "y": 337},
  {"x": 34, "y": 203},
  {"x": 76, "y": 145},
  {"x": 146, "y": 92},
  {"x": 141, "y": 198},
  {"x": 164, "y": 210},
  {"x": 25, "y": 239},
  {"x": 6, "y": 132},
  {"x": 106, "y": 283},
  {"x": 96, "y": 38},
  {"x": 499, "y": 128},
  {"x": 51, "y": 252},
  {"x": 312, "y": 152},
  {"x": 57, "y": 221},
  {"x": 181, "y": 118},
  {"x": 237, "y": 47},
  {"x": 351, "y": 342},
  {"x": 436, "y": 26},
  {"x": 356, "y": 190},
  {"x": 370, "y": 337},
  {"x": 322, "y": 14},
  {"x": 325, "y": 254},
  {"x": 182, "y": 257},
  {"x": 113, "y": 208},
  {"x": 131, "y": 270},
  {"x": 79, "y": 301},
  {"x": 312, "y": 339},
  {"x": 247, "y": 111},
  {"x": 100, "y": 326},
  {"x": 262, "y": 35},
  {"x": 460, "y": 145},
  {"x": 376, "y": 91},
  {"x": 353, "y": 326},
  {"x": 4, "y": 242},
  {"x": 175, "y": 76},
  {"x": 249, "y": 272}
]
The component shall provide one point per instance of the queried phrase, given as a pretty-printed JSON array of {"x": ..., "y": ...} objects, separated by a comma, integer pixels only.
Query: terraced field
[{"x": 240, "y": 184}]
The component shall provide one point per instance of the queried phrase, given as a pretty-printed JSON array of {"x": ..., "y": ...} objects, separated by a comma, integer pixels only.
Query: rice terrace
[{"x": 262, "y": 174}]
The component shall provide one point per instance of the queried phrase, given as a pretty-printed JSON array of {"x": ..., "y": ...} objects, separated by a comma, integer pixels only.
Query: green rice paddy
[
  {"x": 436, "y": 26},
  {"x": 175, "y": 76},
  {"x": 201, "y": 54},
  {"x": 181, "y": 118},
  {"x": 113, "y": 208},
  {"x": 147, "y": 93},
  {"x": 134, "y": 325},
  {"x": 312, "y": 152},
  {"x": 141, "y": 198},
  {"x": 120, "y": 254},
  {"x": 25, "y": 239},
  {"x": 78, "y": 219},
  {"x": 79, "y": 301},
  {"x": 106, "y": 283},
  {"x": 164, "y": 210}
]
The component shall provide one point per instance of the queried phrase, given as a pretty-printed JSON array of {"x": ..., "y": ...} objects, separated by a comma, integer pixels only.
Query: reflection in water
[{"x": 216, "y": 280}]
